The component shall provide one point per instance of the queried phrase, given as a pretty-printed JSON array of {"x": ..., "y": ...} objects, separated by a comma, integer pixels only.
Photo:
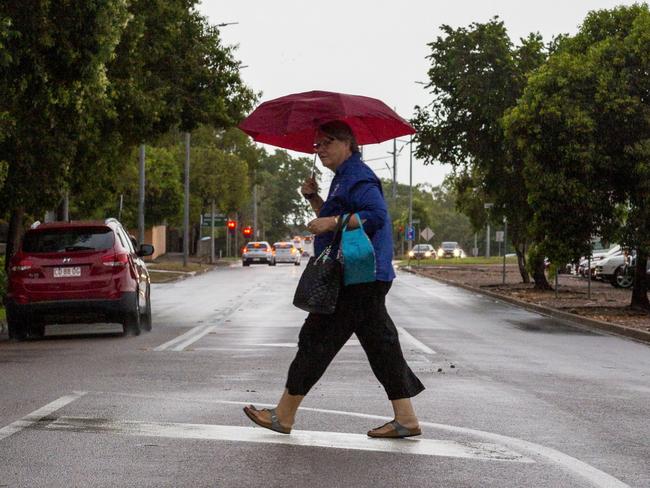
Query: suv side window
[{"x": 126, "y": 242}]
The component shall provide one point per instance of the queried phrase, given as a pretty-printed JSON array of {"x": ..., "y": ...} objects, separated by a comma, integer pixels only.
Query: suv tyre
[
  {"x": 145, "y": 318},
  {"x": 17, "y": 329},
  {"x": 131, "y": 317}
]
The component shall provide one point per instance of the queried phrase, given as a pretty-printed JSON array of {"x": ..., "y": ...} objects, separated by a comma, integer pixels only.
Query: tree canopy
[
  {"x": 476, "y": 75},
  {"x": 583, "y": 124}
]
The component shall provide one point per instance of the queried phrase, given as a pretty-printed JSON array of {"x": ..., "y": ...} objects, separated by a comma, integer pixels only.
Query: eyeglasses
[{"x": 324, "y": 143}]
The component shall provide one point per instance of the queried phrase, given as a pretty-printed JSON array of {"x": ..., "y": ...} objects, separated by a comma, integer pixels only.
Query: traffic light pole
[
  {"x": 236, "y": 253},
  {"x": 227, "y": 243}
]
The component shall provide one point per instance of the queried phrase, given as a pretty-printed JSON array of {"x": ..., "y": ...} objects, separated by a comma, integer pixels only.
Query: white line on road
[
  {"x": 579, "y": 468},
  {"x": 30, "y": 419},
  {"x": 335, "y": 440},
  {"x": 191, "y": 336},
  {"x": 198, "y": 331},
  {"x": 414, "y": 342}
]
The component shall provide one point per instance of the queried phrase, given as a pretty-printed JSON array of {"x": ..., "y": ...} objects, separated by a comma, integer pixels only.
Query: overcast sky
[{"x": 375, "y": 48}]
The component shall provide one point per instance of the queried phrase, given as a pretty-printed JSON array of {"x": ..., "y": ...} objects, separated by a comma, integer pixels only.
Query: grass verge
[{"x": 458, "y": 261}]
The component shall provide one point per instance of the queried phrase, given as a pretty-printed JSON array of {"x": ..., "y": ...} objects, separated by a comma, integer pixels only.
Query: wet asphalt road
[{"x": 513, "y": 399}]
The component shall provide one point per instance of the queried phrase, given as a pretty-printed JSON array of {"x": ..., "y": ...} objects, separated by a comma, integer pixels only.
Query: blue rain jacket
[{"x": 356, "y": 188}]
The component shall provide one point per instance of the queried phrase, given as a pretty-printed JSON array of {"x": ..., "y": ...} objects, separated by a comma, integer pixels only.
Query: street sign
[
  {"x": 219, "y": 220},
  {"x": 410, "y": 234},
  {"x": 415, "y": 221},
  {"x": 499, "y": 236},
  {"x": 427, "y": 234}
]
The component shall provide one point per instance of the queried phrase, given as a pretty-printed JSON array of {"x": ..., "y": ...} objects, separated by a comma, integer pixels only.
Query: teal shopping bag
[{"x": 358, "y": 255}]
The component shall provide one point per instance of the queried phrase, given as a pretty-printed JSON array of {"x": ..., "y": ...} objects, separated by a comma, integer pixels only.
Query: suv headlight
[
  {"x": 411, "y": 254},
  {"x": 427, "y": 254}
]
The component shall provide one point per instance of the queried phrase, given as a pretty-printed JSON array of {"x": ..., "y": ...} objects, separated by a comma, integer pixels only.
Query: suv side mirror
[{"x": 145, "y": 250}]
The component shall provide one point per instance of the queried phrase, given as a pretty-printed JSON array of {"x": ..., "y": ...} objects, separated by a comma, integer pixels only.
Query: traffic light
[
  {"x": 248, "y": 231},
  {"x": 232, "y": 225}
]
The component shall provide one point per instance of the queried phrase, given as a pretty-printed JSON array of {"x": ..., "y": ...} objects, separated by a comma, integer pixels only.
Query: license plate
[{"x": 67, "y": 272}]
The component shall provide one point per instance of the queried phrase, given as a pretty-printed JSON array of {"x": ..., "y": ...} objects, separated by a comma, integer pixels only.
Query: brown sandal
[
  {"x": 274, "y": 425},
  {"x": 398, "y": 431}
]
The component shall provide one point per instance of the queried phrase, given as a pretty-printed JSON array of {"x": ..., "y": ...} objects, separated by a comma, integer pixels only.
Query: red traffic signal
[
  {"x": 232, "y": 224},
  {"x": 248, "y": 231}
]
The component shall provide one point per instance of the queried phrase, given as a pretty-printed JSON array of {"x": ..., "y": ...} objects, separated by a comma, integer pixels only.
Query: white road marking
[
  {"x": 335, "y": 440},
  {"x": 579, "y": 468},
  {"x": 30, "y": 419},
  {"x": 190, "y": 337},
  {"x": 405, "y": 337}
]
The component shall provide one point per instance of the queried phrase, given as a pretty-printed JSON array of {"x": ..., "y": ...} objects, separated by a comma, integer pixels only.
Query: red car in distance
[{"x": 84, "y": 272}]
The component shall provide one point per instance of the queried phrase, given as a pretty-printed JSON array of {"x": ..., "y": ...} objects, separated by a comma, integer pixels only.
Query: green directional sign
[{"x": 219, "y": 220}]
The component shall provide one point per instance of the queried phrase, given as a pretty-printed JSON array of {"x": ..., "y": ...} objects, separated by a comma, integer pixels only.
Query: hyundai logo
[{"x": 66, "y": 260}]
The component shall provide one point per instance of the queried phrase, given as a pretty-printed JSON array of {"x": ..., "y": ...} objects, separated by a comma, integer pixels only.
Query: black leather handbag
[{"x": 321, "y": 281}]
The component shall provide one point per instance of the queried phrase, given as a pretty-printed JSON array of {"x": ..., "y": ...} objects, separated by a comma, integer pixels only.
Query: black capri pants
[{"x": 361, "y": 309}]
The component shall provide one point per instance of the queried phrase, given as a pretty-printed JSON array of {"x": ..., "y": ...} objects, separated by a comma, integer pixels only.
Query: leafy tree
[
  {"x": 584, "y": 122},
  {"x": 434, "y": 207},
  {"x": 171, "y": 70},
  {"x": 54, "y": 72},
  {"x": 281, "y": 208},
  {"x": 476, "y": 74}
]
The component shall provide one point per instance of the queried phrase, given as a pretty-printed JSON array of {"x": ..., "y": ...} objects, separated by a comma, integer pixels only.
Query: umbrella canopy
[{"x": 291, "y": 122}]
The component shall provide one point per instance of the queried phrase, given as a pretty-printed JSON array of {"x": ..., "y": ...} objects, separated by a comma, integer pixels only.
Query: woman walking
[{"x": 360, "y": 308}]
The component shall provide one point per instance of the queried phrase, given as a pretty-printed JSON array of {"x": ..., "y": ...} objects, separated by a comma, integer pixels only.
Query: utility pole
[
  {"x": 411, "y": 191},
  {"x": 186, "y": 209},
  {"x": 255, "y": 231},
  {"x": 236, "y": 253},
  {"x": 394, "y": 169},
  {"x": 505, "y": 246},
  {"x": 141, "y": 198},
  {"x": 66, "y": 206}
]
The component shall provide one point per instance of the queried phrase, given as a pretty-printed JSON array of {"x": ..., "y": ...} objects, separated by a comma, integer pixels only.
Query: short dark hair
[{"x": 338, "y": 129}]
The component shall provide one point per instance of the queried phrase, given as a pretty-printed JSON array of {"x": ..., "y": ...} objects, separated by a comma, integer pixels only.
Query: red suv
[{"x": 84, "y": 272}]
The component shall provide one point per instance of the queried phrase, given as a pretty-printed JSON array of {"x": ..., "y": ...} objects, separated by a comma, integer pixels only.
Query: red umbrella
[{"x": 290, "y": 122}]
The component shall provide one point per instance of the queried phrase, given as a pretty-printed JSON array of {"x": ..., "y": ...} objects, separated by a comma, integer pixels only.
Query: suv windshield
[
  {"x": 421, "y": 247},
  {"x": 283, "y": 245},
  {"x": 447, "y": 245},
  {"x": 66, "y": 240}
]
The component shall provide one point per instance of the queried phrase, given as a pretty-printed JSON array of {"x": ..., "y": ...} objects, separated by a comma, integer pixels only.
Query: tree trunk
[
  {"x": 539, "y": 276},
  {"x": 14, "y": 233},
  {"x": 640, "y": 288},
  {"x": 520, "y": 249},
  {"x": 195, "y": 233}
]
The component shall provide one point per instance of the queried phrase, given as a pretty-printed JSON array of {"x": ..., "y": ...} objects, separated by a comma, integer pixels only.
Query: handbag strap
[
  {"x": 347, "y": 221},
  {"x": 337, "y": 236}
]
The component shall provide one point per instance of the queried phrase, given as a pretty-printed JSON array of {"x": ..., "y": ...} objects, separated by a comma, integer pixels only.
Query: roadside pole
[
  {"x": 589, "y": 276},
  {"x": 394, "y": 170},
  {"x": 66, "y": 206},
  {"x": 141, "y": 198},
  {"x": 410, "y": 245},
  {"x": 227, "y": 243},
  {"x": 186, "y": 210},
  {"x": 236, "y": 251},
  {"x": 212, "y": 236},
  {"x": 505, "y": 247}
]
